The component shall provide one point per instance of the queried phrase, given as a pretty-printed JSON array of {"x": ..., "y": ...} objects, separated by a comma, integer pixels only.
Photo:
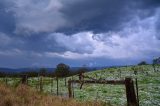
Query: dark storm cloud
[
  {"x": 97, "y": 16},
  {"x": 41, "y": 44},
  {"x": 72, "y": 16},
  {"x": 105, "y": 15},
  {"x": 151, "y": 8},
  {"x": 7, "y": 19},
  {"x": 158, "y": 30},
  {"x": 35, "y": 43},
  {"x": 147, "y": 4},
  {"x": 52, "y": 31}
]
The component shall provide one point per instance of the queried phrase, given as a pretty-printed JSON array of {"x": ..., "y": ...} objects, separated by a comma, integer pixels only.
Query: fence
[{"x": 128, "y": 82}]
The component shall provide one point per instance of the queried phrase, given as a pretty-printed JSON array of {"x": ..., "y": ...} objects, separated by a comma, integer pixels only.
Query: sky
[{"x": 43, "y": 33}]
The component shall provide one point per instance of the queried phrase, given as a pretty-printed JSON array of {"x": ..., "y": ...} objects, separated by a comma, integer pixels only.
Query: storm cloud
[{"x": 38, "y": 32}]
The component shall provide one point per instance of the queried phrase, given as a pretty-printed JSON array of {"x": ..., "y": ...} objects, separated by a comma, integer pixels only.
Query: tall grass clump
[{"x": 24, "y": 95}]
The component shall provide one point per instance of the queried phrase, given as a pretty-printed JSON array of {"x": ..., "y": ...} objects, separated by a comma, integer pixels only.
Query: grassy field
[{"x": 148, "y": 83}]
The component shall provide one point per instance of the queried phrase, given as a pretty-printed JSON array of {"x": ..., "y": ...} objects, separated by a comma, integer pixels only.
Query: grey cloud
[
  {"x": 97, "y": 16},
  {"x": 7, "y": 19},
  {"x": 158, "y": 24},
  {"x": 105, "y": 15},
  {"x": 79, "y": 42},
  {"x": 37, "y": 16},
  {"x": 75, "y": 15},
  {"x": 37, "y": 43},
  {"x": 35, "y": 28},
  {"x": 147, "y": 4}
]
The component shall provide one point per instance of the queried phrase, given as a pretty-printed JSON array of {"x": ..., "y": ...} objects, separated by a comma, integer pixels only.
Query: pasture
[{"x": 114, "y": 95}]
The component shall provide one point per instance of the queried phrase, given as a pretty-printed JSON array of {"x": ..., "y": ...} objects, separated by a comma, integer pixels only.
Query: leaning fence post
[
  {"x": 137, "y": 92},
  {"x": 130, "y": 92},
  {"x": 70, "y": 88}
]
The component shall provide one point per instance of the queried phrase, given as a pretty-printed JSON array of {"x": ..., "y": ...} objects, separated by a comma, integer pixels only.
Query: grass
[{"x": 26, "y": 96}]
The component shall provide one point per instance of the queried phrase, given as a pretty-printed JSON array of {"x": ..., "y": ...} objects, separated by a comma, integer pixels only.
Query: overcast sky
[{"x": 43, "y": 33}]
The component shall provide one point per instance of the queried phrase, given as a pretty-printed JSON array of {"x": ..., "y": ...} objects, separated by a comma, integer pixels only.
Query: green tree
[
  {"x": 155, "y": 62},
  {"x": 142, "y": 63},
  {"x": 62, "y": 70}
]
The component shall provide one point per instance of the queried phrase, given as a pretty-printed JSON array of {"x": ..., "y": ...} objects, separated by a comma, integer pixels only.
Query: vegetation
[
  {"x": 143, "y": 63},
  {"x": 62, "y": 70},
  {"x": 26, "y": 96},
  {"x": 156, "y": 61},
  {"x": 148, "y": 85}
]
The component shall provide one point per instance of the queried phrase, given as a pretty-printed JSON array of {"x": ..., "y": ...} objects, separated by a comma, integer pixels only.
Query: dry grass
[{"x": 26, "y": 96}]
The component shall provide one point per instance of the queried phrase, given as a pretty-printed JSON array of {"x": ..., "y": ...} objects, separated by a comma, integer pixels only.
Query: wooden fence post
[
  {"x": 70, "y": 88},
  {"x": 52, "y": 84},
  {"x": 72, "y": 91},
  {"x": 57, "y": 87},
  {"x": 135, "y": 72},
  {"x": 24, "y": 79},
  {"x": 41, "y": 84},
  {"x": 130, "y": 92},
  {"x": 6, "y": 80},
  {"x": 137, "y": 92},
  {"x": 119, "y": 73}
]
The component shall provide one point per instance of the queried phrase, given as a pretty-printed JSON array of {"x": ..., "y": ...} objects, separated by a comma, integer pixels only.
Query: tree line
[{"x": 62, "y": 70}]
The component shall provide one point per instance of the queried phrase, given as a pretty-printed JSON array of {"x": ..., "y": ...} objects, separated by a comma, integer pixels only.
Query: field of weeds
[{"x": 26, "y": 96}]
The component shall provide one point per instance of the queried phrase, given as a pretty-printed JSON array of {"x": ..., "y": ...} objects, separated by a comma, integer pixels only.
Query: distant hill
[
  {"x": 17, "y": 70},
  {"x": 12, "y": 70},
  {"x": 7, "y": 70}
]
